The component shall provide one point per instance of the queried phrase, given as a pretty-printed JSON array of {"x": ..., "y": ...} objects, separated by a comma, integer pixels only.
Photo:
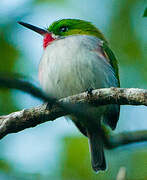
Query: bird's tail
[{"x": 97, "y": 152}]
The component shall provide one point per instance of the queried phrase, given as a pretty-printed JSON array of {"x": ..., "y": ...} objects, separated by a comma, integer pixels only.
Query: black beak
[{"x": 34, "y": 28}]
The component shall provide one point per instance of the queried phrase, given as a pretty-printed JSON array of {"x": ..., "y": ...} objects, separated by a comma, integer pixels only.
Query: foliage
[
  {"x": 145, "y": 13},
  {"x": 127, "y": 37}
]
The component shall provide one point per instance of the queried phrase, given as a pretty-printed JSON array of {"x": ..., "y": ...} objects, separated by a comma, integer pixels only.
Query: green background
[{"x": 56, "y": 150}]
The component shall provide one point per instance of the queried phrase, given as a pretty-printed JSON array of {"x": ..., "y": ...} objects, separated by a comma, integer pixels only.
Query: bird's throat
[{"x": 47, "y": 39}]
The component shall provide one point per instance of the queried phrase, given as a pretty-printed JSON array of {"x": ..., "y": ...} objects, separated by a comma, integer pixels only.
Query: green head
[{"x": 67, "y": 27}]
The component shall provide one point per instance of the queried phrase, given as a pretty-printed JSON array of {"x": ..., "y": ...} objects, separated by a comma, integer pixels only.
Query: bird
[{"x": 77, "y": 58}]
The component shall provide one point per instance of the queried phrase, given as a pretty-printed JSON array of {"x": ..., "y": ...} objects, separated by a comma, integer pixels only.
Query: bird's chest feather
[{"x": 73, "y": 64}]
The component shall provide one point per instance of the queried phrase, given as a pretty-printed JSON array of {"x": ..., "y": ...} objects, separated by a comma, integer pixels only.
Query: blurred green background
[{"x": 56, "y": 150}]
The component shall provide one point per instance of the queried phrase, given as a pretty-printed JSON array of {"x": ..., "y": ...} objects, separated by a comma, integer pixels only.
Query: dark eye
[{"x": 63, "y": 29}]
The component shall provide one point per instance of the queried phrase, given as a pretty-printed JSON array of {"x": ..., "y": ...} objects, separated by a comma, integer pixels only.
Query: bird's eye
[{"x": 63, "y": 29}]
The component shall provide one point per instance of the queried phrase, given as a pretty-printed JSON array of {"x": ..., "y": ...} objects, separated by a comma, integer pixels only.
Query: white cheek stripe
[{"x": 54, "y": 36}]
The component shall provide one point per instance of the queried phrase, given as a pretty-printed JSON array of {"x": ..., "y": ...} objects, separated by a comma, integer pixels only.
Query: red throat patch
[{"x": 47, "y": 40}]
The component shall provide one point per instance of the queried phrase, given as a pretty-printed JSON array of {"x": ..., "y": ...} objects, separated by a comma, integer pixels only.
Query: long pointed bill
[{"x": 34, "y": 28}]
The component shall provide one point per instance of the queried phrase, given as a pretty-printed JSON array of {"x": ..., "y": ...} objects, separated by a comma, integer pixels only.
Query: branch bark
[{"x": 27, "y": 118}]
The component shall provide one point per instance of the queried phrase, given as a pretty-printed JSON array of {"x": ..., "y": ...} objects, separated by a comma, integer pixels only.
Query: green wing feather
[
  {"x": 112, "y": 58},
  {"x": 112, "y": 115}
]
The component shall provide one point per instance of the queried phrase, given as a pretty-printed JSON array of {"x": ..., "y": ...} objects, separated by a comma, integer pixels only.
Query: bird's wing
[
  {"x": 112, "y": 115},
  {"x": 111, "y": 58}
]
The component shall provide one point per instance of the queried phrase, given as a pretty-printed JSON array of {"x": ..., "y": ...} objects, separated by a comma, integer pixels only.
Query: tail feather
[{"x": 97, "y": 152}]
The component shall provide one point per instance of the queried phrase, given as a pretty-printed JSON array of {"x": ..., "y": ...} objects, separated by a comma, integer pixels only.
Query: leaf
[
  {"x": 145, "y": 13},
  {"x": 8, "y": 57},
  {"x": 5, "y": 166}
]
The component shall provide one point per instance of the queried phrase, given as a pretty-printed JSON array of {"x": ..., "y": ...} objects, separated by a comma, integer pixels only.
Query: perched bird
[{"x": 77, "y": 57}]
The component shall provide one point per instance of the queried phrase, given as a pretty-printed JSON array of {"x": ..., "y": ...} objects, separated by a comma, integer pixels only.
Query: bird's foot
[
  {"x": 49, "y": 106},
  {"x": 89, "y": 91}
]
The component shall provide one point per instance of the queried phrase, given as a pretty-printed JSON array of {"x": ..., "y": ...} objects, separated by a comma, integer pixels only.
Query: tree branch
[
  {"x": 76, "y": 105},
  {"x": 125, "y": 138},
  {"x": 27, "y": 118}
]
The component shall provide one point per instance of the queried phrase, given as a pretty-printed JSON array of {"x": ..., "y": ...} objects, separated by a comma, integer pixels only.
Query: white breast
[{"x": 72, "y": 65}]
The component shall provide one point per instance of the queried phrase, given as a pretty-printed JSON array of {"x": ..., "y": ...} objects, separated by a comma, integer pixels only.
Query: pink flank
[{"x": 47, "y": 40}]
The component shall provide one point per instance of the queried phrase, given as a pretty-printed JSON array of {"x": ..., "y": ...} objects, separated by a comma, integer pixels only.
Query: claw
[
  {"x": 89, "y": 91},
  {"x": 49, "y": 106}
]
